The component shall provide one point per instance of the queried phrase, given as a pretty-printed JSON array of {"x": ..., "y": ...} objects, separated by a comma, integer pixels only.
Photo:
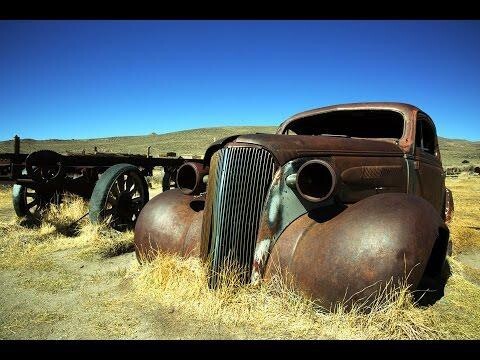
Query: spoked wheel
[
  {"x": 118, "y": 197},
  {"x": 45, "y": 166},
  {"x": 30, "y": 202}
]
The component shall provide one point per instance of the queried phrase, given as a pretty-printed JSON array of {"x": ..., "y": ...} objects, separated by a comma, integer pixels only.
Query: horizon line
[{"x": 171, "y": 132}]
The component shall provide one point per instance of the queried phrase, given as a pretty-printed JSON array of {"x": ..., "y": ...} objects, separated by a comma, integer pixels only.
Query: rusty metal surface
[
  {"x": 407, "y": 110},
  {"x": 383, "y": 236},
  {"x": 383, "y": 220},
  {"x": 283, "y": 205},
  {"x": 289, "y": 147},
  {"x": 361, "y": 177},
  {"x": 190, "y": 177},
  {"x": 12, "y": 164},
  {"x": 208, "y": 211},
  {"x": 170, "y": 222}
]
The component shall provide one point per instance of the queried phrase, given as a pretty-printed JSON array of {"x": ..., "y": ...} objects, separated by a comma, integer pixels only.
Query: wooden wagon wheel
[
  {"x": 31, "y": 202},
  {"x": 45, "y": 166},
  {"x": 118, "y": 197}
]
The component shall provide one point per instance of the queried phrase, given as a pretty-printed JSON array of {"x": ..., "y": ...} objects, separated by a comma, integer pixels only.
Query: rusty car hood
[{"x": 288, "y": 147}]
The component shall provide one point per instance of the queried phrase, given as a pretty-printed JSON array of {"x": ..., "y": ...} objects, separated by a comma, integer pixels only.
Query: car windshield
[{"x": 350, "y": 123}]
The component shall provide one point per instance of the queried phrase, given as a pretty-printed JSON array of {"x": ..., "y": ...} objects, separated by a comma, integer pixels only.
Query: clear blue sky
[{"x": 85, "y": 79}]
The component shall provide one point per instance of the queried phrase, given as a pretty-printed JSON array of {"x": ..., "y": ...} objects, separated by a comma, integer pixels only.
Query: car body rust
[{"x": 341, "y": 199}]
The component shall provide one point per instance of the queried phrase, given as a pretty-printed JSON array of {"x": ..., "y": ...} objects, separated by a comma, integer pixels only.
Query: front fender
[
  {"x": 349, "y": 256},
  {"x": 170, "y": 222}
]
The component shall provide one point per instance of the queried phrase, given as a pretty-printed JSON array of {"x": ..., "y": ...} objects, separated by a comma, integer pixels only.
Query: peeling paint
[{"x": 260, "y": 259}]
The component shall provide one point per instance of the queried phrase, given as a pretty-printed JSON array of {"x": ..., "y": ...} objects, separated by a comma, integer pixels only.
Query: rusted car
[{"x": 341, "y": 199}]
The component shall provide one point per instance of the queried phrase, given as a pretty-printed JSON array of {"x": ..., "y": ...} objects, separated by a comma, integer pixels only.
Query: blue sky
[{"x": 85, "y": 79}]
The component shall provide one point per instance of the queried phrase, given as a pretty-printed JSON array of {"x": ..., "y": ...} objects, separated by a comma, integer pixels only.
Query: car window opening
[{"x": 350, "y": 123}]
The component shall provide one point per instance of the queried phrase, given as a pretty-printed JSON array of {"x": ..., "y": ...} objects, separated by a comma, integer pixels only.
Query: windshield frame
[{"x": 284, "y": 127}]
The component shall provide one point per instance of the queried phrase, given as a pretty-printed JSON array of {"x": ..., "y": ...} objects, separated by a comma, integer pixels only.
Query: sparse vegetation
[
  {"x": 274, "y": 309},
  {"x": 86, "y": 289},
  {"x": 155, "y": 181},
  {"x": 465, "y": 227},
  {"x": 179, "y": 142},
  {"x": 453, "y": 151}
]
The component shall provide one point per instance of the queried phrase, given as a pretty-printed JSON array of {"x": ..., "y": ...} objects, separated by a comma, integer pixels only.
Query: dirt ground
[
  {"x": 86, "y": 297},
  {"x": 88, "y": 307},
  {"x": 74, "y": 294}
]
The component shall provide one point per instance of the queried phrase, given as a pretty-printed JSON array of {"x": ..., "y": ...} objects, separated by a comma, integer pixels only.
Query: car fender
[
  {"x": 171, "y": 222},
  {"x": 348, "y": 257}
]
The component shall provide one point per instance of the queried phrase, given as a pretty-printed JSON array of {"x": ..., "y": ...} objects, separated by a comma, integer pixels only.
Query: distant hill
[
  {"x": 454, "y": 151},
  {"x": 196, "y": 141}
]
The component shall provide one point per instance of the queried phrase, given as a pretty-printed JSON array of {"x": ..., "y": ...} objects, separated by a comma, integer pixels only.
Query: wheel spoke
[
  {"x": 121, "y": 183},
  {"x": 55, "y": 199},
  {"x": 120, "y": 196},
  {"x": 113, "y": 220},
  {"x": 130, "y": 183},
  {"x": 33, "y": 203},
  {"x": 114, "y": 191},
  {"x": 133, "y": 190}
]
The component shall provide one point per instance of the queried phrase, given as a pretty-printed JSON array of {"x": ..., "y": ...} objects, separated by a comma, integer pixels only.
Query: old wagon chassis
[{"x": 41, "y": 177}]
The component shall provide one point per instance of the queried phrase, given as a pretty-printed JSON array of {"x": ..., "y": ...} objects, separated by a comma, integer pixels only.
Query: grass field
[
  {"x": 85, "y": 283},
  {"x": 195, "y": 142}
]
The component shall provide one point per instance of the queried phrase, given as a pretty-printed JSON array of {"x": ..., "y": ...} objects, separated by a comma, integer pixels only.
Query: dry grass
[
  {"x": 465, "y": 227},
  {"x": 5, "y": 193},
  {"x": 186, "y": 142},
  {"x": 453, "y": 151},
  {"x": 459, "y": 312},
  {"x": 177, "y": 288},
  {"x": 23, "y": 244},
  {"x": 105, "y": 241},
  {"x": 274, "y": 310},
  {"x": 155, "y": 181}
]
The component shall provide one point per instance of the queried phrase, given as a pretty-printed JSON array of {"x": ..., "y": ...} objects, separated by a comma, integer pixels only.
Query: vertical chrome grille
[{"x": 242, "y": 177}]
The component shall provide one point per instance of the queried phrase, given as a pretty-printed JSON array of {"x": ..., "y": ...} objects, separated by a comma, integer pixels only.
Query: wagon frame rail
[{"x": 40, "y": 177}]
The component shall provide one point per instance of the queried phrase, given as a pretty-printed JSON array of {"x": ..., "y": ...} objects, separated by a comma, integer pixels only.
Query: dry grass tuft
[
  {"x": 68, "y": 217},
  {"x": 30, "y": 247},
  {"x": 106, "y": 241},
  {"x": 274, "y": 310}
]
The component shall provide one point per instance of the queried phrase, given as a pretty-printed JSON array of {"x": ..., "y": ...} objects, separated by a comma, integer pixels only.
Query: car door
[{"x": 427, "y": 162}]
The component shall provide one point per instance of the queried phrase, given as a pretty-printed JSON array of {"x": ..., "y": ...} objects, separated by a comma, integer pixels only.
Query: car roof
[{"x": 395, "y": 106}]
